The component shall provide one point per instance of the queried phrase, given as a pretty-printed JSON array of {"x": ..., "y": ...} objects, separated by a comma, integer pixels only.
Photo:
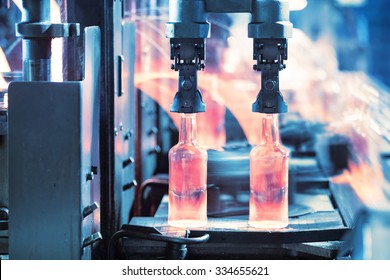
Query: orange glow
[
  {"x": 269, "y": 179},
  {"x": 4, "y": 67},
  {"x": 18, "y": 4},
  {"x": 364, "y": 172},
  {"x": 162, "y": 87},
  {"x": 187, "y": 178},
  {"x": 220, "y": 91},
  {"x": 3, "y": 83},
  {"x": 312, "y": 86},
  {"x": 366, "y": 182},
  {"x": 211, "y": 124},
  {"x": 187, "y": 209}
]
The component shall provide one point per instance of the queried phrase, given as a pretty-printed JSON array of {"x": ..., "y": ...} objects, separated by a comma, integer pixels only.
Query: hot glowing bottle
[
  {"x": 268, "y": 205},
  {"x": 187, "y": 178}
]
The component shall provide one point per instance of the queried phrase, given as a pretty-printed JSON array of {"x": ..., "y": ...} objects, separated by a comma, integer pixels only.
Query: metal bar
[
  {"x": 36, "y": 11},
  {"x": 187, "y": 19},
  {"x": 229, "y": 6},
  {"x": 36, "y": 51},
  {"x": 270, "y": 19},
  {"x": 36, "y": 59}
]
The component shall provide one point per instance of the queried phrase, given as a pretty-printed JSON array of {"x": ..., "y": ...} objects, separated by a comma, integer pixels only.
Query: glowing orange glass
[
  {"x": 268, "y": 206},
  {"x": 187, "y": 178}
]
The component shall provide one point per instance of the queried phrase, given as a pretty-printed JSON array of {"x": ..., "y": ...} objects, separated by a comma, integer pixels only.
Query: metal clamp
[
  {"x": 47, "y": 30},
  {"x": 128, "y": 186},
  {"x": 92, "y": 239},
  {"x": 89, "y": 209},
  {"x": 127, "y": 162},
  {"x": 269, "y": 55},
  {"x": 188, "y": 56}
]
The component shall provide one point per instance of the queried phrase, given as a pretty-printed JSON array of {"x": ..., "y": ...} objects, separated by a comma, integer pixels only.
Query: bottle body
[
  {"x": 268, "y": 205},
  {"x": 187, "y": 178}
]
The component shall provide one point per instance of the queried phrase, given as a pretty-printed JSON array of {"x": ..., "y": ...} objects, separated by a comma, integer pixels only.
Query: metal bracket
[
  {"x": 269, "y": 55},
  {"x": 92, "y": 239},
  {"x": 188, "y": 56},
  {"x": 47, "y": 30},
  {"x": 187, "y": 28},
  {"x": 88, "y": 210}
]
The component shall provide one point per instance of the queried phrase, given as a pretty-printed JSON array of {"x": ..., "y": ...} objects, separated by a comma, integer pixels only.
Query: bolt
[
  {"x": 153, "y": 130},
  {"x": 269, "y": 103},
  {"x": 133, "y": 183},
  {"x": 89, "y": 209},
  {"x": 89, "y": 176},
  {"x": 186, "y": 84},
  {"x": 4, "y": 213},
  {"x": 155, "y": 150},
  {"x": 92, "y": 239},
  {"x": 270, "y": 85},
  {"x": 94, "y": 170},
  {"x": 128, "y": 135},
  {"x": 128, "y": 161}
]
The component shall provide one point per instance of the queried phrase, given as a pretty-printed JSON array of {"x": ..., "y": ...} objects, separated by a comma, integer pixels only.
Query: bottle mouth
[{"x": 188, "y": 115}]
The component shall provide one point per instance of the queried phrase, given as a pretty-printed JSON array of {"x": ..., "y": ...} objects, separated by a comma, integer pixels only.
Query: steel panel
[{"x": 53, "y": 144}]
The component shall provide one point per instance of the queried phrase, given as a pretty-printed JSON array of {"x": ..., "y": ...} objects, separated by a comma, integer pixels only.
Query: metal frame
[{"x": 53, "y": 160}]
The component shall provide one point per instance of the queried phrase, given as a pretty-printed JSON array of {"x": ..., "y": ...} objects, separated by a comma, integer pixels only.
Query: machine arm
[
  {"x": 188, "y": 56},
  {"x": 188, "y": 27},
  {"x": 269, "y": 55}
]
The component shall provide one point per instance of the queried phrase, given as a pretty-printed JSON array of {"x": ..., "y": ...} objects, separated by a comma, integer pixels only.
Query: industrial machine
[{"x": 89, "y": 108}]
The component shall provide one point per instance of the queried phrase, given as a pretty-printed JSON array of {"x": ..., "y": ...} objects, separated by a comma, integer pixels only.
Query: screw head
[
  {"x": 89, "y": 176},
  {"x": 186, "y": 84},
  {"x": 94, "y": 170},
  {"x": 269, "y": 103},
  {"x": 270, "y": 85}
]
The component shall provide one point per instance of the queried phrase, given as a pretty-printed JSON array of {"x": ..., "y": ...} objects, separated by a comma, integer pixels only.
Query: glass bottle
[
  {"x": 268, "y": 205},
  {"x": 187, "y": 178}
]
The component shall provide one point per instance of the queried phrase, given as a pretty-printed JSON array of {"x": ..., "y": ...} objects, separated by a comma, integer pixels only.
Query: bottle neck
[
  {"x": 270, "y": 129},
  {"x": 187, "y": 132}
]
